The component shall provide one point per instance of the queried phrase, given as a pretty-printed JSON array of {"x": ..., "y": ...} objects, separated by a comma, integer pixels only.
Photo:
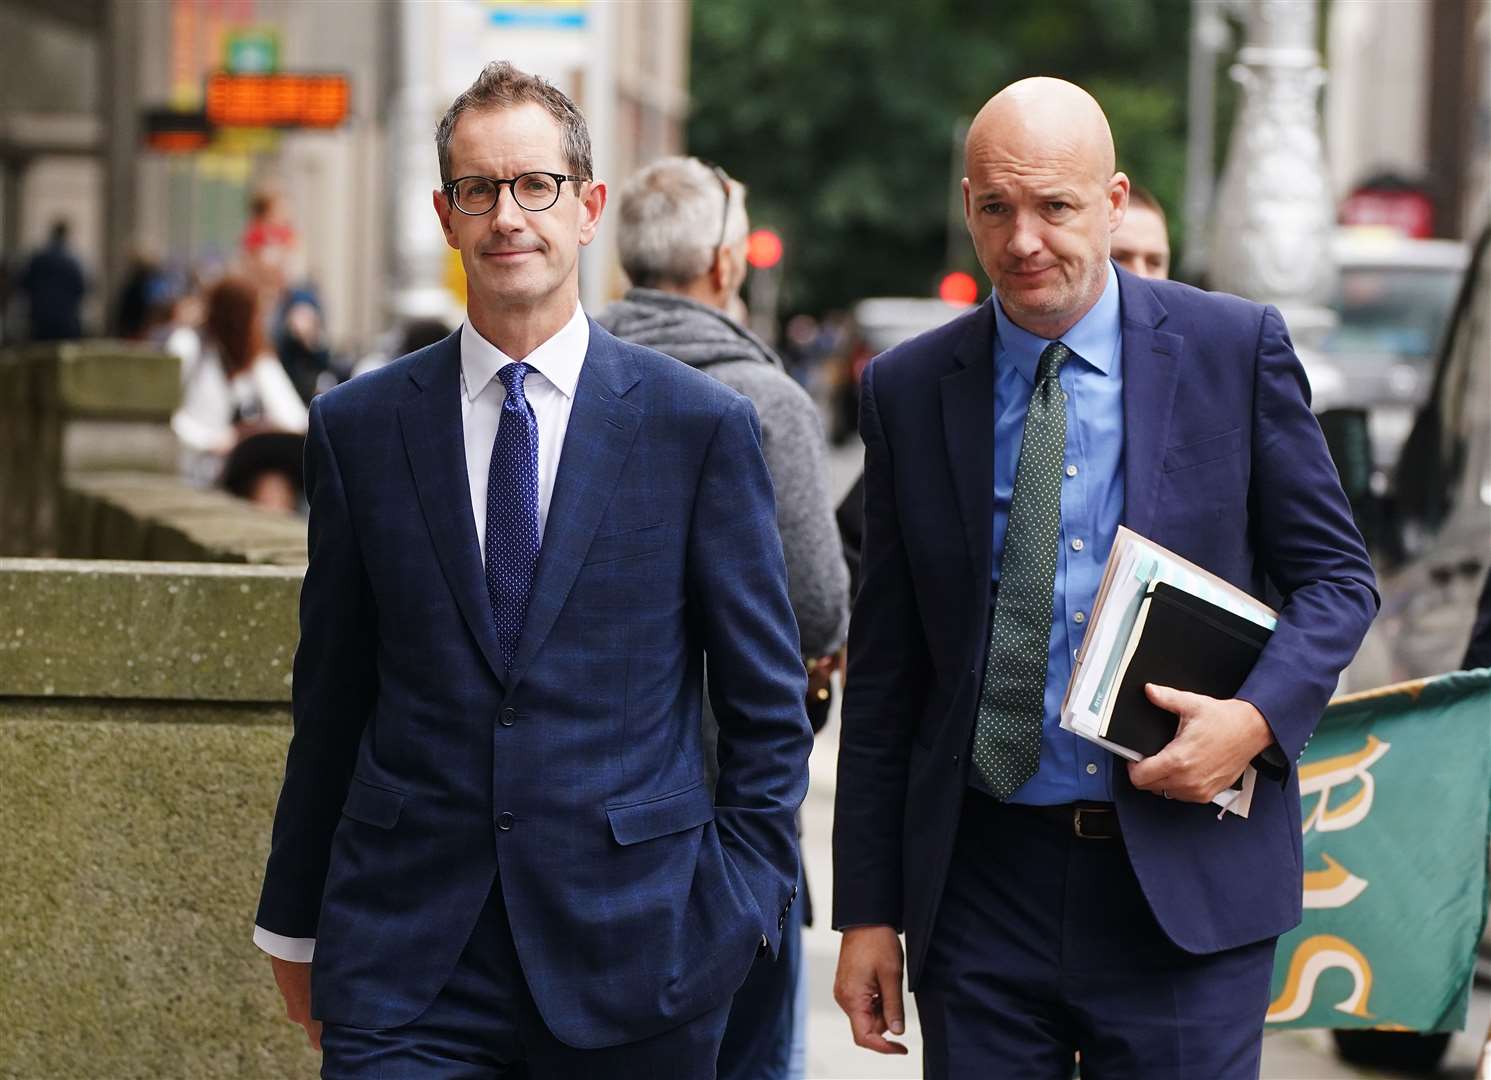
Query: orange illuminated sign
[{"x": 282, "y": 100}]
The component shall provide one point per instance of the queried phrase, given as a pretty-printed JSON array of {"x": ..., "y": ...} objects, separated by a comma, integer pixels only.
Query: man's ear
[
  {"x": 1118, "y": 200},
  {"x": 443, "y": 211},
  {"x": 592, "y": 203}
]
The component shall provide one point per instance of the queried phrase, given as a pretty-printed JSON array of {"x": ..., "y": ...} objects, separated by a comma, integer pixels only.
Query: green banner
[{"x": 1396, "y": 791}]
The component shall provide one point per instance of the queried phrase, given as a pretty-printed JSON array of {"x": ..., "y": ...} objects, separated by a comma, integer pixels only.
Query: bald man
[{"x": 1054, "y": 898}]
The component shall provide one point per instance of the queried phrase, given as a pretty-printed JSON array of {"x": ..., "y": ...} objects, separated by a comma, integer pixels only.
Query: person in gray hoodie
[{"x": 682, "y": 241}]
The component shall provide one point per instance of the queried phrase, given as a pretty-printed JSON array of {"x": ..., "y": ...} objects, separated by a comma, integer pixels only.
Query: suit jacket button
[
  {"x": 504, "y": 821},
  {"x": 507, "y": 717}
]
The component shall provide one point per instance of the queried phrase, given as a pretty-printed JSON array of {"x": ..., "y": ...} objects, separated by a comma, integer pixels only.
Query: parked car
[
  {"x": 1392, "y": 301},
  {"x": 875, "y": 325}
]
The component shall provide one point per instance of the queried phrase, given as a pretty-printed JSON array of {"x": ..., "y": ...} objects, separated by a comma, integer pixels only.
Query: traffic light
[
  {"x": 763, "y": 249},
  {"x": 958, "y": 288}
]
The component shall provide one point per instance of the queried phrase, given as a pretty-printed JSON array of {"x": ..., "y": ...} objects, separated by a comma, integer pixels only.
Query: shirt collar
[
  {"x": 558, "y": 359},
  {"x": 1094, "y": 338}
]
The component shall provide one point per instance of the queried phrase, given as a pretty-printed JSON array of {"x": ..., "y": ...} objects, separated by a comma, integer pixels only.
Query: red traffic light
[
  {"x": 958, "y": 288},
  {"x": 763, "y": 249}
]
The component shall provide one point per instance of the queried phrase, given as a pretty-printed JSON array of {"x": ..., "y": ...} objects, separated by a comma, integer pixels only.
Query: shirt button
[
  {"x": 505, "y": 822},
  {"x": 1071, "y": 470},
  {"x": 1079, "y": 618},
  {"x": 1092, "y": 770},
  {"x": 1077, "y": 544}
]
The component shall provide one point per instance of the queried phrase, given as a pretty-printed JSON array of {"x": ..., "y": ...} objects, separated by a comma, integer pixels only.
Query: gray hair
[
  {"x": 502, "y": 86},
  {"x": 671, "y": 216}
]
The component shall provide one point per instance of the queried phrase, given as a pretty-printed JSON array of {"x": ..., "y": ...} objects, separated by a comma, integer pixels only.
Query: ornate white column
[{"x": 1274, "y": 211}]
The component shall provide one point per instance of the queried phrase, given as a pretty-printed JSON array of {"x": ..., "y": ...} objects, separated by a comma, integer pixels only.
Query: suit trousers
[
  {"x": 484, "y": 1025},
  {"x": 1044, "y": 947}
]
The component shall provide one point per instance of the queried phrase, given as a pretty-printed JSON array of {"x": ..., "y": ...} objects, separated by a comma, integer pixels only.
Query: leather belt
[{"x": 1087, "y": 820}]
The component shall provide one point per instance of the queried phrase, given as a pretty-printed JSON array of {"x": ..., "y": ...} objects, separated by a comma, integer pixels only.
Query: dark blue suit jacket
[
  {"x": 1223, "y": 464},
  {"x": 419, "y": 773}
]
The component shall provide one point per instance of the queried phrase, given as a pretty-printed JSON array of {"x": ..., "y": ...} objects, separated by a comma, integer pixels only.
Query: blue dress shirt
[{"x": 1091, "y": 510}]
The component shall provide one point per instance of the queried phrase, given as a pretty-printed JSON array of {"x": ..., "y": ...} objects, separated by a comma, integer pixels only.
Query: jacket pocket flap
[
  {"x": 372, "y": 805},
  {"x": 1198, "y": 453},
  {"x": 625, "y": 545},
  {"x": 658, "y": 817}
]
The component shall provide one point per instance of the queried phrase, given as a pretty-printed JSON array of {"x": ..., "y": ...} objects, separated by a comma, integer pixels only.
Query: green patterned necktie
[{"x": 1007, "y": 740}]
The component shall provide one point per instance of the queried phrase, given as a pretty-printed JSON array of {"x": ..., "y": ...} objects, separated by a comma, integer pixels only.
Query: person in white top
[{"x": 234, "y": 389}]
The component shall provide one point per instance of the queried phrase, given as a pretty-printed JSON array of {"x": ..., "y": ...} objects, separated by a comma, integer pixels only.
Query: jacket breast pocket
[
  {"x": 371, "y": 805},
  {"x": 662, "y": 816},
  {"x": 628, "y": 544},
  {"x": 1199, "y": 453}
]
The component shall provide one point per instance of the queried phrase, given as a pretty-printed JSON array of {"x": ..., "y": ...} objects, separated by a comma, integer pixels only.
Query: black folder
[{"x": 1186, "y": 643}]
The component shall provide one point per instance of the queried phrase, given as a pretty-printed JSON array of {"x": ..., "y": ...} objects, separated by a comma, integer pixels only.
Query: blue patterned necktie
[
  {"x": 512, "y": 511},
  {"x": 1011, "y": 706}
]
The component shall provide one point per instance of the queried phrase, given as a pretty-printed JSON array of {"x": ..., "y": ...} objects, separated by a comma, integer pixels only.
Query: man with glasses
[
  {"x": 496, "y": 850},
  {"x": 682, "y": 240}
]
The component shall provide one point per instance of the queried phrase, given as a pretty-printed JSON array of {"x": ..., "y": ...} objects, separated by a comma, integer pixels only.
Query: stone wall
[{"x": 144, "y": 716}]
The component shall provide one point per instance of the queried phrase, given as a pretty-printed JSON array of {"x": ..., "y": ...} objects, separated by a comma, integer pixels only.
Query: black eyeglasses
[
  {"x": 724, "y": 178},
  {"x": 533, "y": 191}
]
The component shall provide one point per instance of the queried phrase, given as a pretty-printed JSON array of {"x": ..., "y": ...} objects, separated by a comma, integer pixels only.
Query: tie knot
[
  {"x": 1052, "y": 357},
  {"x": 512, "y": 376}
]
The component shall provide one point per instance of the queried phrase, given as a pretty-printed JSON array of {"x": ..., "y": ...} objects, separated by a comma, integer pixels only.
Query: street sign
[
  {"x": 173, "y": 131},
  {"x": 538, "y": 15},
  {"x": 288, "y": 100},
  {"x": 252, "y": 51}
]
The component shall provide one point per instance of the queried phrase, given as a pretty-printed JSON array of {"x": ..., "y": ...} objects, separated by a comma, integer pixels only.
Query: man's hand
[
  {"x": 868, "y": 986},
  {"x": 294, "y": 981},
  {"x": 1215, "y": 742}
]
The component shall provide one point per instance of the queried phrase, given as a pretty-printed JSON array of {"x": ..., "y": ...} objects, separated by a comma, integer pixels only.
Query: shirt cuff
[{"x": 299, "y": 950}]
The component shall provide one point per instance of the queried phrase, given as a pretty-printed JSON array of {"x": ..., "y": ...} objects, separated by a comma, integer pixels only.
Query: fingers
[
  {"x": 868, "y": 987},
  {"x": 313, "y": 1033},
  {"x": 1179, "y": 702},
  {"x": 1152, "y": 773}
]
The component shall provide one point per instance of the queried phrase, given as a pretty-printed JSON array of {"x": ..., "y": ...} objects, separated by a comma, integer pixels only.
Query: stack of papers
[{"x": 1159, "y": 618}]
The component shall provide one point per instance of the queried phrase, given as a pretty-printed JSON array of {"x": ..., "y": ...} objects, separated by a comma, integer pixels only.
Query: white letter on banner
[
  {"x": 1313, "y": 958},
  {"x": 1322, "y": 776},
  {"x": 1333, "y": 887}
]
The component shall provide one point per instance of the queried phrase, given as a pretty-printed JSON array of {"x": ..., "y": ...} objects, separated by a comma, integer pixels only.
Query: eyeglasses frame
[{"x": 558, "y": 178}]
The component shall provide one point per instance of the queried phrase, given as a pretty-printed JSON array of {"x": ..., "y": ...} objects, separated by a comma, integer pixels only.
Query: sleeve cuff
[{"x": 298, "y": 950}]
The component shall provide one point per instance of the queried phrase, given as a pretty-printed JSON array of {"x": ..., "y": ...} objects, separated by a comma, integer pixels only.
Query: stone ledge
[{"x": 132, "y": 630}]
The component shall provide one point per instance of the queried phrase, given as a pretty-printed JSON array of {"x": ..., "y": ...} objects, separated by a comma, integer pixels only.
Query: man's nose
[
  {"x": 507, "y": 215},
  {"x": 1025, "y": 238}
]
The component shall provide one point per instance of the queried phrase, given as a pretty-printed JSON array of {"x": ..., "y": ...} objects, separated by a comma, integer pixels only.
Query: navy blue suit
[
  {"x": 1224, "y": 464},
  {"x": 424, "y": 779}
]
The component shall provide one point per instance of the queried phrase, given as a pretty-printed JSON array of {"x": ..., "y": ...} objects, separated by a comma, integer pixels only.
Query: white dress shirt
[{"x": 550, "y": 390}]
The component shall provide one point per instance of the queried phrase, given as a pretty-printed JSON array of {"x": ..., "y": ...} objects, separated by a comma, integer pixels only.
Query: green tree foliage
[{"x": 840, "y": 116}]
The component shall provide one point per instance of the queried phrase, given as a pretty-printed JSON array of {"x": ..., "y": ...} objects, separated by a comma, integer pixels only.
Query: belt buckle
[{"x": 1077, "y": 812}]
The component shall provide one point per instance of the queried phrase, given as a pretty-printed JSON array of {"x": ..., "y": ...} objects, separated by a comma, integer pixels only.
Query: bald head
[
  {"x": 1045, "y": 118},
  {"x": 1042, "y": 199}
]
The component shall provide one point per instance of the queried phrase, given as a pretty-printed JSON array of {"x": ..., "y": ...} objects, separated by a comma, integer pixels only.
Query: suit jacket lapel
[
  {"x": 601, "y": 428},
  {"x": 968, "y": 427},
  {"x": 434, "y": 440},
  {"x": 1151, "y": 369}
]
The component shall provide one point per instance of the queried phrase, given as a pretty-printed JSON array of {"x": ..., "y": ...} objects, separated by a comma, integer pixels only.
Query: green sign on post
[
  {"x": 1396, "y": 788},
  {"x": 252, "y": 51}
]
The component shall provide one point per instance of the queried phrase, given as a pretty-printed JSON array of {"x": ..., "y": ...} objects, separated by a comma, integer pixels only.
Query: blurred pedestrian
[
  {"x": 1141, "y": 243},
  {"x": 1054, "y": 898},
  {"x": 138, "y": 298},
  {"x": 300, "y": 342},
  {"x": 269, "y": 248},
  {"x": 55, "y": 285},
  {"x": 234, "y": 388},
  {"x": 682, "y": 240},
  {"x": 496, "y": 851}
]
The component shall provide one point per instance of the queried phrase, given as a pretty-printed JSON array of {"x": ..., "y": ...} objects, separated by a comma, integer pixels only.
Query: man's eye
[
  {"x": 993, "y": 208},
  {"x": 477, "y": 189},
  {"x": 1057, "y": 207}
]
